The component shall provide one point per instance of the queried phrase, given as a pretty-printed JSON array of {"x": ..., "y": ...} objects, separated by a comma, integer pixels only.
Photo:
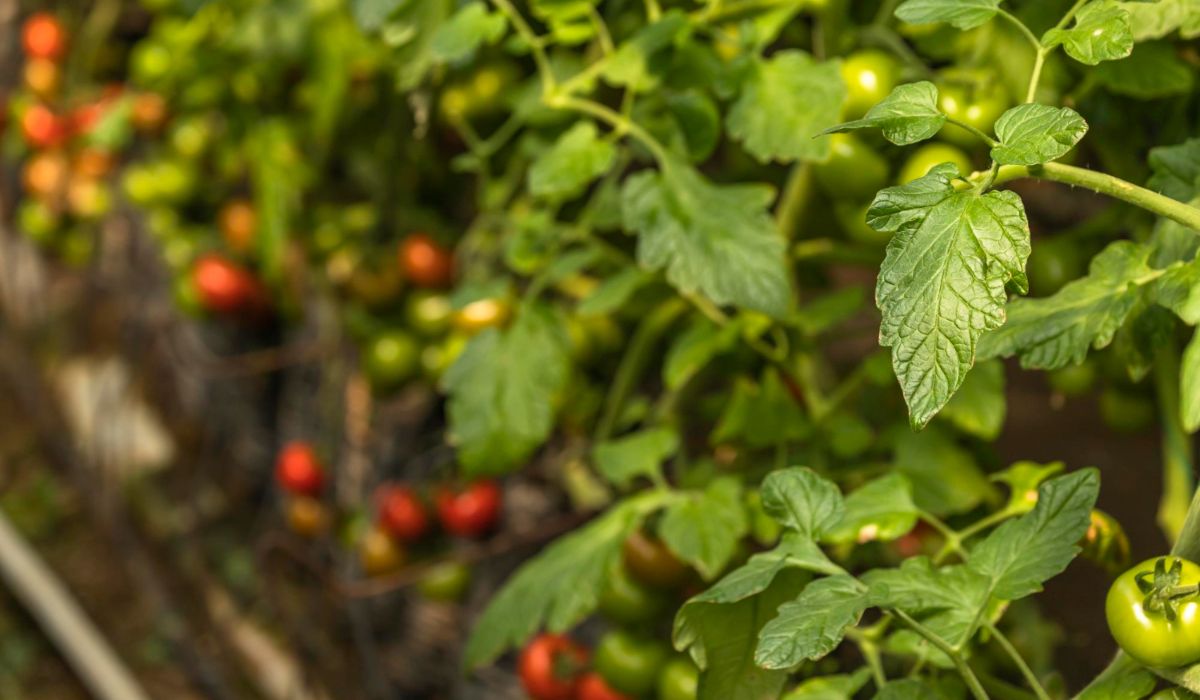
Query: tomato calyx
[{"x": 1162, "y": 590}]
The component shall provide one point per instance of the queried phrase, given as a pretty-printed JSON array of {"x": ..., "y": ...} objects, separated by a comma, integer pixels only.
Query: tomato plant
[
  {"x": 550, "y": 666},
  {"x": 1151, "y": 610}
]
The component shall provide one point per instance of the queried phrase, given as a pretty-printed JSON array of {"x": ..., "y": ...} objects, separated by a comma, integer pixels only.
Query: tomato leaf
[
  {"x": 1154, "y": 20},
  {"x": 786, "y": 101},
  {"x": 640, "y": 454},
  {"x": 978, "y": 407},
  {"x": 1022, "y": 553},
  {"x": 761, "y": 415},
  {"x": 1102, "y": 31},
  {"x": 942, "y": 282},
  {"x": 954, "y": 593},
  {"x": 835, "y": 687},
  {"x": 633, "y": 63},
  {"x": 1153, "y": 71},
  {"x": 721, "y": 639},
  {"x": 703, "y": 528},
  {"x": 1176, "y": 170},
  {"x": 909, "y": 689},
  {"x": 614, "y": 291},
  {"x": 718, "y": 240},
  {"x": 1023, "y": 479},
  {"x": 945, "y": 478},
  {"x": 502, "y": 391},
  {"x": 964, "y": 14},
  {"x": 576, "y": 158},
  {"x": 696, "y": 347},
  {"x": 882, "y": 509},
  {"x": 813, "y": 624},
  {"x": 802, "y": 500},
  {"x": 908, "y": 115},
  {"x": 1033, "y": 134},
  {"x": 1058, "y": 330},
  {"x": 558, "y": 587},
  {"x": 468, "y": 29}
]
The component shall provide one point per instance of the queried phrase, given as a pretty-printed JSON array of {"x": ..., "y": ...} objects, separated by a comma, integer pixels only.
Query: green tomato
[
  {"x": 1126, "y": 412},
  {"x": 852, "y": 218},
  {"x": 446, "y": 582},
  {"x": 150, "y": 62},
  {"x": 140, "y": 185},
  {"x": 37, "y": 221},
  {"x": 870, "y": 76},
  {"x": 1052, "y": 264},
  {"x": 853, "y": 171},
  {"x": 1143, "y": 631},
  {"x": 924, "y": 158},
  {"x": 190, "y": 137},
  {"x": 975, "y": 98},
  {"x": 678, "y": 680},
  {"x": 1073, "y": 380},
  {"x": 174, "y": 181},
  {"x": 390, "y": 359},
  {"x": 630, "y": 663},
  {"x": 428, "y": 313},
  {"x": 625, "y": 600}
]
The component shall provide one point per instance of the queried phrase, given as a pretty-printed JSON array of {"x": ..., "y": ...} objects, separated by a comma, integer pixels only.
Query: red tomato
[
  {"x": 592, "y": 686},
  {"x": 425, "y": 262},
  {"x": 549, "y": 667},
  {"x": 401, "y": 512},
  {"x": 43, "y": 36},
  {"x": 471, "y": 512},
  {"x": 43, "y": 128},
  {"x": 226, "y": 287},
  {"x": 298, "y": 470}
]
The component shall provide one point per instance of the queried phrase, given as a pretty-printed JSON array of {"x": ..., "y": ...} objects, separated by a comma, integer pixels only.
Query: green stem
[
  {"x": 1039, "y": 53},
  {"x": 653, "y": 11},
  {"x": 535, "y": 45},
  {"x": 794, "y": 200},
  {"x": 1106, "y": 184},
  {"x": 606, "y": 42},
  {"x": 637, "y": 354},
  {"x": 974, "y": 130},
  {"x": 1178, "y": 482},
  {"x": 614, "y": 119},
  {"x": 1021, "y": 27},
  {"x": 960, "y": 663},
  {"x": 1016, "y": 658}
]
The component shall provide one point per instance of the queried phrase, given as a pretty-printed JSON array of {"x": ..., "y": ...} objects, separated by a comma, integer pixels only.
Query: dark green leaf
[
  {"x": 944, "y": 477},
  {"x": 908, "y": 115},
  {"x": 640, "y": 454},
  {"x": 1101, "y": 32},
  {"x": 813, "y": 624},
  {"x": 631, "y": 65},
  {"x": 761, "y": 415},
  {"x": 883, "y": 509},
  {"x": 1189, "y": 385},
  {"x": 978, "y": 407},
  {"x": 703, "y": 529},
  {"x": 1153, "y": 71},
  {"x": 468, "y": 29},
  {"x": 802, "y": 500},
  {"x": 696, "y": 347},
  {"x": 614, "y": 291},
  {"x": 1176, "y": 170},
  {"x": 1033, "y": 134},
  {"x": 786, "y": 101},
  {"x": 576, "y": 158}
]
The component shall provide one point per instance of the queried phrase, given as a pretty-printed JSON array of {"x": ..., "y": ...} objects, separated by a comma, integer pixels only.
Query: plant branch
[
  {"x": 960, "y": 663},
  {"x": 616, "y": 120},
  {"x": 535, "y": 45},
  {"x": 1178, "y": 481},
  {"x": 1020, "y": 663}
]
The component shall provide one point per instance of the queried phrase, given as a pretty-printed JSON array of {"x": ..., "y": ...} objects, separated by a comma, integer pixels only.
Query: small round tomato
[
  {"x": 38, "y": 221},
  {"x": 42, "y": 128},
  {"x": 298, "y": 470},
  {"x": 191, "y": 137},
  {"x": 428, "y": 313},
  {"x": 1052, "y": 264},
  {"x": 1105, "y": 542},
  {"x": 401, "y": 512},
  {"x": 372, "y": 283},
  {"x": 1073, "y": 380},
  {"x": 454, "y": 103},
  {"x": 150, "y": 62},
  {"x": 425, "y": 262},
  {"x": 378, "y": 553},
  {"x": 472, "y": 512},
  {"x": 549, "y": 667},
  {"x": 678, "y": 680},
  {"x": 88, "y": 198},
  {"x": 93, "y": 162},
  {"x": 853, "y": 170},
  {"x": 482, "y": 313},
  {"x": 446, "y": 582},
  {"x": 926, "y": 157},
  {"x": 45, "y": 175},
  {"x": 238, "y": 222},
  {"x": 975, "y": 98},
  {"x": 306, "y": 516},
  {"x": 174, "y": 180},
  {"x": 592, "y": 686},
  {"x": 148, "y": 112},
  {"x": 1125, "y": 411},
  {"x": 42, "y": 77},
  {"x": 224, "y": 286},
  {"x": 870, "y": 76},
  {"x": 628, "y": 601},
  {"x": 630, "y": 663},
  {"x": 43, "y": 36},
  {"x": 1151, "y": 627},
  {"x": 648, "y": 560},
  {"x": 390, "y": 359}
]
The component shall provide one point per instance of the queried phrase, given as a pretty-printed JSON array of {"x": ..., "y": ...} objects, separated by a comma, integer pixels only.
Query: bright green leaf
[
  {"x": 703, "y": 529},
  {"x": 882, "y": 509},
  {"x": 576, "y": 158},
  {"x": 955, "y": 594},
  {"x": 1154, "y": 20},
  {"x": 836, "y": 687},
  {"x": 802, "y": 500},
  {"x": 908, "y": 115},
  {"x": 614, "y": 291},
  {"x": 786, "y": 101},
  {"x": 964, "y": 14},
  {"x": 1023, "y": 479},
  {"x": 813, "y": 624},
  {"x": 1101, "y": 32},
  {"x": 640, "y": 454},
  {"x": 1033, "y": 134},
  {"x": 468, "y": 29},
  {"x": 942, "y": 282}
]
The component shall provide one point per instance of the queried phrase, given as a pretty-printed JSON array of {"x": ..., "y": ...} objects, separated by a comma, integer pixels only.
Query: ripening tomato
[
  {"x": 678, "y": 680},
  {"x": 298, "y": 470},
  {"x": 549, "y": 667},
  {"x": 88, "y": 198},
  {"x": 42, "y": 128},
  {"x": 148, "y": 112},
  {"x": 390, "y": 359},
  {"x": 649, "y": 561},
  {"x": 38, "y": 221},
  {"x": 428, "y": 313},
  {"x": 1139, "y": 622},
  {"x": 238, "y": 222},
  {"x": 45, "y": 175},
  {"x": 306, "y": 516},
  {"x": 425, "y": 262},
  {"x": 592, "y": 686},
  {"x": 86, "y": 116},
  {"x": 446, "y": 582},
  {"x": 224, "y": 286},
  {"x": 401, "y": 512},
  {"x": 379, "y": 554},
  {"x": 1105, "y": 542},
  {"x": 93, "y": 162},
  {"x": 472, "y": 512},
  {"x": 43, "y": 36},
  {"x": 42, "y": 77},
  {"x": 628, "y": 601},
  {"x": 926, "y": 157},
  {"x": 870, "y": 76}
]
